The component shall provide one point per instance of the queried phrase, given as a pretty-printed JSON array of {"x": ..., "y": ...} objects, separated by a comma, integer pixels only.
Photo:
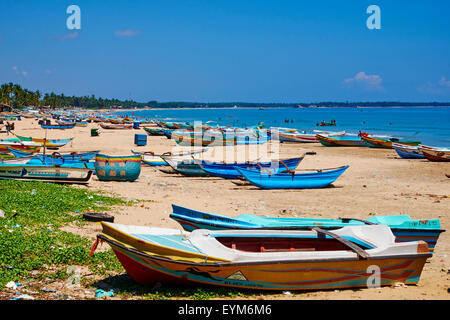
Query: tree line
[{"x": 17, "y": 97}]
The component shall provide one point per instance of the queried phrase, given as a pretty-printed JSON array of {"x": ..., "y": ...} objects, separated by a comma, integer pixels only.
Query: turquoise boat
[
  {"x": 65, "y": 126},
  {"x": 117, "y": 168},
  {"x": 346, "y": 141},
  {"x": 403, "y": 227},
  {"x": 266, "y": 180}
]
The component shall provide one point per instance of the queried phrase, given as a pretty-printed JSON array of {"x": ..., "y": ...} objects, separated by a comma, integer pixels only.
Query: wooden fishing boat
[
  {"x": 23, "y": 152},
  {"x": 117, "y": 168},
  {"x": 116, "y": 126},
  {"x": 154, "y": 131},
  {"x": 265, "y": 179},
  {"x": 229, "y": 171},
  {"x": 435, "y": 154},
  {"x": 50, "y": 160},
  {"x": 304, "y": 137},
  {"x": 58, "y": 126},
  {"x": 18, "y": 145},
  {"x": 42, "y": 172},
  {"x": 408, "y": 152},
  {"x": 266, "y": 259},
  {"x": 403, "y": 227},
  {"x": 186, "y": 167},
  {"x": 49, "y": 143},
  {"x": 347, "y": 141},
  {"x": 373, "y": 142}
]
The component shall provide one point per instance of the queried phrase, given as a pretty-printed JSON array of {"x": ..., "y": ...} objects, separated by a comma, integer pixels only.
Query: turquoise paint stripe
[{"x": 174, "y": 242}]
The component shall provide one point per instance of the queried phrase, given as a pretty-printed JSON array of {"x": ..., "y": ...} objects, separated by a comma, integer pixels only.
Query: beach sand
[{"x": 377, "y": 182}]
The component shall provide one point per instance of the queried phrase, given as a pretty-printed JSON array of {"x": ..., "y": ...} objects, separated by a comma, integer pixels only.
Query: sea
[{"x": 429, "y": 125}]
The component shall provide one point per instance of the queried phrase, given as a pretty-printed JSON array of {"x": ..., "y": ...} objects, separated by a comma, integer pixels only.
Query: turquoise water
[{"x": 430, "y": 125}]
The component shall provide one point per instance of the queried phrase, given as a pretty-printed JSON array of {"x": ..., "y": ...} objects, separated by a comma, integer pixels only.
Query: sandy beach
[{"x": 377, "y": 182}]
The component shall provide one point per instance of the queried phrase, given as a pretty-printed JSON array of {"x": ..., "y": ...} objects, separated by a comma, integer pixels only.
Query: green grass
[
  {"x": 34, "y": 248},
  {"x": 30, "y": 236}
]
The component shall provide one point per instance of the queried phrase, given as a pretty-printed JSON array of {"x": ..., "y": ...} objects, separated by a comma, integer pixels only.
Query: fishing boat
[
  {"x": 49, "y": 143},
  {"x": 346, "y": 141},
  {"x": 314, "y": 259},
  {"x": 49, "y": 160},
  {"x": 303, "y": 136},
  {"x": 150, "y": 158},
  {"x": 403, "y": 227},
  {"x": 186, "y": 167},
  {"x": 229, "y": 170},
  {"x": 24, "y": 152},
  {"x": 116, "y": 126},
  {"x": 43, "y": 172},
  {"x": 265, "y": 179},
  {"x": 154, "y": 131},
  {"x": 18, "y": 145},
  {"x": 435, "y": 154},
  {"x": 408, "y": 152},
  {"x": 373, "y": 142},
  {"x": 58, "y": 126},
  {"x": 117, "y": 168}
]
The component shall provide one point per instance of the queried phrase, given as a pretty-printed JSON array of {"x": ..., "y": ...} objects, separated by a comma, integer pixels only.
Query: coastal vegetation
[
  {"x": 15, "y": 96},
  {"x": 33, "y": 244}
]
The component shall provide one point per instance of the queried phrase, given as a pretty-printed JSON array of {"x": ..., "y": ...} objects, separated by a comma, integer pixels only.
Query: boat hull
[
  {"x": 45, "y": 173},
  {"x": 292, "y": 181},
  {"x": 385, "y": 144},
  {"x": 403, "y": 228},
  {"x": 293, "y": 275},
  {"x": 341, "y": 141},
  {"x": 228, "y": 171}
]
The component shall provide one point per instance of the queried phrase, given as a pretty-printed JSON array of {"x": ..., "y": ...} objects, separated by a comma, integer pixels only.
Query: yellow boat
[{"x": 267, "y": 259}]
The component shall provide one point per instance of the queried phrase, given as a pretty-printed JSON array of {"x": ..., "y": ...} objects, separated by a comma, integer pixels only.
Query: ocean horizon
[{"x": 429, "y": 125}]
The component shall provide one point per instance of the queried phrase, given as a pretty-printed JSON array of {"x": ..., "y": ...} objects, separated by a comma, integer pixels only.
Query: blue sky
[{"x": 218, "y": 51}]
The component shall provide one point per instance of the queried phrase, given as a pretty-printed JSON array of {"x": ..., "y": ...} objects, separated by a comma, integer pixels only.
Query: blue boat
[
  {"x": 408, "y": 152},
  {"x": 117, "y": 168},
  {"x": 265, "y": 179},
  {"x": 55, "y": 126},
  {"x": 229, "y": 170},
  {"x": 402, "y": 226}
]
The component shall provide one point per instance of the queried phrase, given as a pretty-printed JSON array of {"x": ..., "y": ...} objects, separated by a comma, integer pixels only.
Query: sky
[{"x": 229, "y": 51}]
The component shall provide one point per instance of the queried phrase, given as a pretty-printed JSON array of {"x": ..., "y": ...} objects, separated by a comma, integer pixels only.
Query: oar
[{"x": 358, "y": 250}]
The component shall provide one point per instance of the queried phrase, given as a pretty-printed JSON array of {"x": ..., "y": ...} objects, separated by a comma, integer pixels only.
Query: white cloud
[
  {"x": 441, "y": 87},
  {"x": 126, "y": 33},
  {"x": 369, "y": 82},
  {"x": 19, "y": 72}
]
